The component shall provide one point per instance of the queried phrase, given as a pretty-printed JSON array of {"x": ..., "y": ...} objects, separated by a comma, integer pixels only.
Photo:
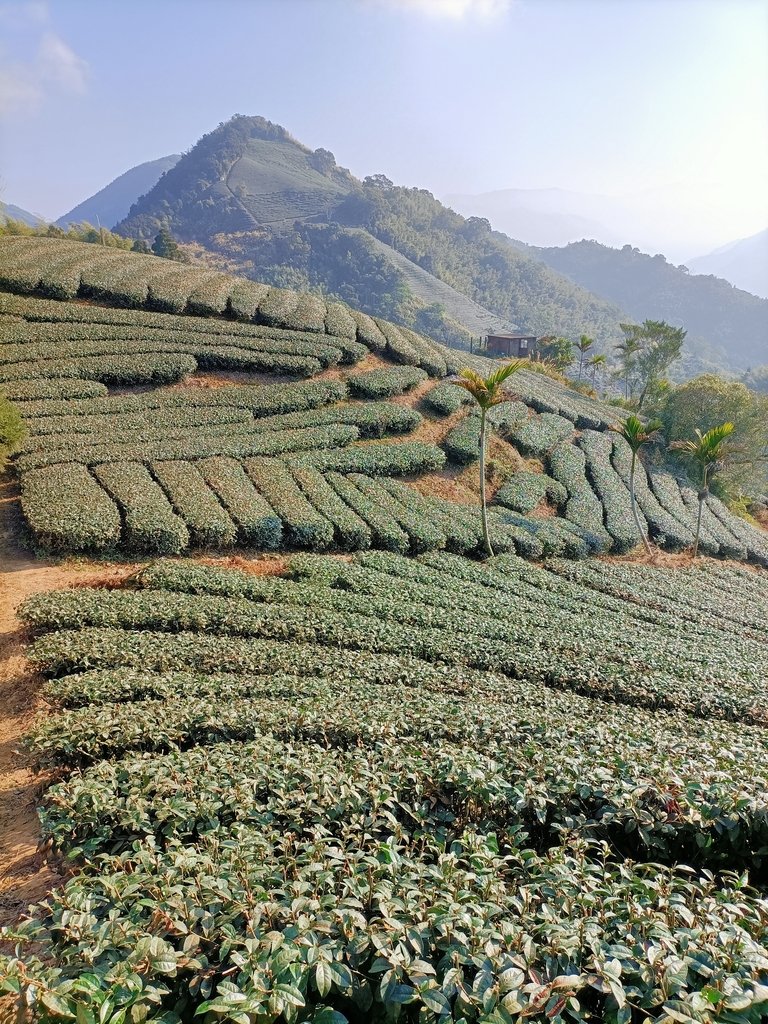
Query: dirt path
[{"x": 24, "y": 877}]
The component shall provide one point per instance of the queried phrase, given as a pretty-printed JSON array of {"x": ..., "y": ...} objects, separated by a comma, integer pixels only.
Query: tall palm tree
[
  {"x": 583, "y": 345},
  {"x": 636, "y": 435},
  {"x": 594, "y": 362},
  {"x": 709, "y": 453},
  {"x": 487, "y": 392},
  {"x": 626, "y": 351}
]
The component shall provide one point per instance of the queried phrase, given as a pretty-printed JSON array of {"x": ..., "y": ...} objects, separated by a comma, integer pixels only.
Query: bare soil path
[{"x": 24, "y": 876}]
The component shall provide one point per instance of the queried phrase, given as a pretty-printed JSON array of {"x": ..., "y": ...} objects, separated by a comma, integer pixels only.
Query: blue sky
[{"x": 606, "y": 96}]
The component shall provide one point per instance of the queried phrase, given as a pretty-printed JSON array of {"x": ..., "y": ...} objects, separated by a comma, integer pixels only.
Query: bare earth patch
[{"x": 24, "y": 876}]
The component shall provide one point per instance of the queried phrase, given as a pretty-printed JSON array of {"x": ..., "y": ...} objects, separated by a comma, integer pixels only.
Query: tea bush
[{"x": 472, "y": 790}]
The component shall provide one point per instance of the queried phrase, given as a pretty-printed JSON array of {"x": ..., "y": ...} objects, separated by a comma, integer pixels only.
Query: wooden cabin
[{"x": 510, "y": 346}]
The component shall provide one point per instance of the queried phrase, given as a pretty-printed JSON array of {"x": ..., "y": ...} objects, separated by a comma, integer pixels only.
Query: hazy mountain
[
  {"x": 725, "y": 324},
  {"x": 744, "y": 263},
  {"x": 665, "y": 219},
  {"x": 10, "y": 212},
  {"x": 549, "y": 216},
  {"x": 111, "y": 203}
]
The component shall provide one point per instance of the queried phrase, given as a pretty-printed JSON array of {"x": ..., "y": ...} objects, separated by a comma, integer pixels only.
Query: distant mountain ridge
[
  {"x": 112, "y": 203},
  {"x": 730, "y": 326},
  {"x": 10, "y": 212},
  {"x": 744, "y": 263}
]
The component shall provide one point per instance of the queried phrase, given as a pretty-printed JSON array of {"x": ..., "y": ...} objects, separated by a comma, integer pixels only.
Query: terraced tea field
[
  {"x": 351, "y": 793},
  {"x": 365, "y": 777},
  {"x": 291, "y": 464}
]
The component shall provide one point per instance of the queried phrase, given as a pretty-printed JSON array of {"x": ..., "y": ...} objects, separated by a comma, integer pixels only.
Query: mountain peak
[{"x": 245, "y": 173}]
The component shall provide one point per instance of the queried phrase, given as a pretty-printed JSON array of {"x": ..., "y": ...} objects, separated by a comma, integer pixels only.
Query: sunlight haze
[{"x": 657, "y": 107}]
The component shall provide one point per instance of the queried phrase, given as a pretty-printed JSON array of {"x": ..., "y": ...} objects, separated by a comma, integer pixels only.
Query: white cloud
[
  {"x": 453, "y": 10},
  {"x": 53, "y": 66},
  {"x": 58, "y": 64}
]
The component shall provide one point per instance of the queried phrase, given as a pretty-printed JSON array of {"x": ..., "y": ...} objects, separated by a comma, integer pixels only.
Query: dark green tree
[
  {"x": 141, "y": 246},
  {"x": 558, "y": 351},
  {"x": 648, "y": 351},
  {"x": 166, "y": 246}
]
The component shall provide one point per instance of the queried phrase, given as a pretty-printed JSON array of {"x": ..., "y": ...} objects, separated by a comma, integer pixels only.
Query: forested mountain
[
  {"x": 744, "y": 263},
  {"x": 283, "y": 213},
  {"x": 112, "y": 203},
  {"x": 725, "y": 325}
]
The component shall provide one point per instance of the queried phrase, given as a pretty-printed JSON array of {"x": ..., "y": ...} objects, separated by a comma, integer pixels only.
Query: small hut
[{"x": 511, "y": 346}]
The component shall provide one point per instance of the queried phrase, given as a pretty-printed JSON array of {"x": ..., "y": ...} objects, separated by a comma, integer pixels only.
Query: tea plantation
[
  {"x": 388, "y": 782},
  {"x": 351, "y": 793},
  {"x": 306, "y": 461}
]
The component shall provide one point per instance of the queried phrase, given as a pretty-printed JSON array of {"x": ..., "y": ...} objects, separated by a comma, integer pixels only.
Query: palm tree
[
  {"x": 636, "y": 435},
  {"x": 583, "y": 345},
  {"x": 627, "y": 350},
  {"x": 487, "y": 392},
  {"x": 594, "y": 362},
  {"x": 709, "y": 453}
]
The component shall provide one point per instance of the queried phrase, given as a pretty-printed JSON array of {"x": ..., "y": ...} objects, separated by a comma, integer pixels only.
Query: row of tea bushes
[
  {"x": 535, "y": 436},
  {"x": 611, "y": 490},
  {"x": 388, "y": 612},
  {"x": 59, "y": 432},
  {"x": 567, "y": 465},
  {"x": 524, "y": 490},
  {"x": 384, "y": 383},
  {"x": 261, "y": 400},
  {"x": 667, "y": 531},
  {"x": 462, "y": 442},
  {"x": 62, "y": 388},
  {"x": 230, "y": 439},
  {"x": 446, "y": 398},
  {"x": 42, "y": 341},
  {"x": 61, "y": 269},
  {"x": 372, "y": 419}
]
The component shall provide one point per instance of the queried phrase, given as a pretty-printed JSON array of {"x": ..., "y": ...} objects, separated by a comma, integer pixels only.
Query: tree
[
  {"x": 558, "y": 351},
  {"x": 636, "y": 435},
  {"x": 378, "y": 181},
  {"x": 708, "y": 400},
  {"x": 627, "y": 352},
  {"x": 709, "y": 453},
  {"x": 487, "y": 392},
  {"x": 595, "y": 362},
  {"x": 166, "y": 246},
  {"x": 141, "y": 246},
  {"x": 648, "y": 350},
  {"x": 583, "y": 345}
]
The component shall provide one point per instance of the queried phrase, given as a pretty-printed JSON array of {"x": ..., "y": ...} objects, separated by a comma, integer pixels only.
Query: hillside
[
  {"x": 291, "y": 216},
  {"x": 300, "y": 754},
  {"x": 726, "y": 326},
  {"x": 744, "y": 263},
  {"x": 111, "y": 203},
  {"x": 94, "y": 465}
]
